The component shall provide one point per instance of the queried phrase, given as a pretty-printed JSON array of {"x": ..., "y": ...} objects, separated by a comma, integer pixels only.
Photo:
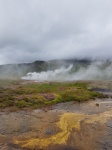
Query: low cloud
[{"x": 44, "y": 30}]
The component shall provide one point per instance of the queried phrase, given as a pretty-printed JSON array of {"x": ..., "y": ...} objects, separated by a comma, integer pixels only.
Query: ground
[{"x": 64, "y": 125}]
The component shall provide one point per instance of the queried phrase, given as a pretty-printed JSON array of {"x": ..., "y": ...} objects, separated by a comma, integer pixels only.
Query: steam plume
[{"x": 93, "y": 71}]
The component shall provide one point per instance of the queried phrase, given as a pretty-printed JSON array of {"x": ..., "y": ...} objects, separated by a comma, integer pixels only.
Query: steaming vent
[{"x": 92, "y": 71}]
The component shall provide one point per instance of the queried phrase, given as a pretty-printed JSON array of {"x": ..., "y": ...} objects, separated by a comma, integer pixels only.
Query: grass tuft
[{"x": 35, "y": 95}]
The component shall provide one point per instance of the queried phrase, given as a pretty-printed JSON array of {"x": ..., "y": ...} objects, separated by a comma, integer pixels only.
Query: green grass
[{"x": 36, "y": 95}]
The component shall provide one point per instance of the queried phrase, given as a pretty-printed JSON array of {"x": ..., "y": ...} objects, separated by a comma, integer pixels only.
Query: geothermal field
[
  {"x": 67, "y": 105},
  {"x": 55, "y": 74}
]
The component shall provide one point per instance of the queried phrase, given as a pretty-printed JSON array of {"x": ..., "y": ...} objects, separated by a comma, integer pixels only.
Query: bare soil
[{"x": 64, "y": 126}]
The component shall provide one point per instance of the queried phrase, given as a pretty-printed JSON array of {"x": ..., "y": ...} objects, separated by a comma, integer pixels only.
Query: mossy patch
[{"x": 36, "y": 95}]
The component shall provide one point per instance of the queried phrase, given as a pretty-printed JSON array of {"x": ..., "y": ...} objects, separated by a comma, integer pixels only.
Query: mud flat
[
  {"x": 64, "y": 126},
  {"x": 67, "y": 126}
]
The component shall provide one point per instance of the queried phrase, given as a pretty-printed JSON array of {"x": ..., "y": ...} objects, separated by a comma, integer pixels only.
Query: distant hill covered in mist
[
  {"x": 19, "y": 70},
  {"x": 71, "y": 69}
]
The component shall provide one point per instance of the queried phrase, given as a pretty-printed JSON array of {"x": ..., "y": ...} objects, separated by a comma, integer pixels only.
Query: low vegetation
[{"x": 22, "y": 94}]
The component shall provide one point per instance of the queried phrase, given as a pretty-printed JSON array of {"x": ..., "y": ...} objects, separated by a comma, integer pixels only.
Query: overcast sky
[{"x": 52, "y": 29}]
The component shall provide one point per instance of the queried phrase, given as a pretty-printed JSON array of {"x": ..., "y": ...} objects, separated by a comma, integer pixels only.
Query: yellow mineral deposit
[{"x": 68, "y": 121}]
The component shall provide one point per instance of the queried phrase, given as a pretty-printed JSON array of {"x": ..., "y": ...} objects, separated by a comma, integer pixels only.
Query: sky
[{"x": 33, "y": 30}]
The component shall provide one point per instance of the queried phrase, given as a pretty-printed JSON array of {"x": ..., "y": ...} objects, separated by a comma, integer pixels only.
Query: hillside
[{"x": 19, "y": 70}]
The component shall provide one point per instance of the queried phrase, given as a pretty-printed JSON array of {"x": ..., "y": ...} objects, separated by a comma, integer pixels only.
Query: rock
[
  {"x": 97, "y": 104},
  {"x": 49, "y": 132},
  {"x": 49, "y": 96}
]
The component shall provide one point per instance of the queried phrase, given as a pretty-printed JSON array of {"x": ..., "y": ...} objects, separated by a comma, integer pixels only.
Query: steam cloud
[{"x": 94, "y": 71}]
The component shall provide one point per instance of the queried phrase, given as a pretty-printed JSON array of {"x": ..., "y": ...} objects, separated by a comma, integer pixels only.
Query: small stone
[
  {"x": 89, "y": 88},
  {"x": 97, "y": 104},
  {"x": 48, "y": 132}
]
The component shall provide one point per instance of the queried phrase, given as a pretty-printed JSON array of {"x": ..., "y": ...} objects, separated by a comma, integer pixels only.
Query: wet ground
[
  {"x": 76, "y": 126},
  {"x": 65, "y": 126}
]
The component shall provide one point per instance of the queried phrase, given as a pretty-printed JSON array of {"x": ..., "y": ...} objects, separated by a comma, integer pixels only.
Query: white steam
[
  {"x": 52, "y": 75},
  {"x": 94, "y": 71}
]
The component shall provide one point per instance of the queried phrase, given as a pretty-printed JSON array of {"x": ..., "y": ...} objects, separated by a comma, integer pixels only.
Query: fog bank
[
  {"x": 93, "y": 71},
  {"x": 55, "y": 29}
]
